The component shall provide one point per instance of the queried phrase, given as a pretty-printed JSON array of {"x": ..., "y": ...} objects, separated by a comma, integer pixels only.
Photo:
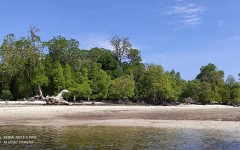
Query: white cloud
[
  {"x": 189, "y": 15},
  {"x": 91, "y": 40},
  {"x": 235, "y": 38},
  {"x": 222, "y": 23},
  {"x": 98, "y": 39}
]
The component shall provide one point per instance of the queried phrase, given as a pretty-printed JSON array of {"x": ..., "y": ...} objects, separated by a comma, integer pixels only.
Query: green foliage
[
  {"x": 22, "y": 87},
  {"x": 210, "y": 74},
  {"x": 235, "y": 95},
  {"x": 234, "y": 90},
  {"x": 122, "y": 88},
  {"x": 100, "y": 81},
  {"x": 58, "y": 77},
  {"x": 81, "y": 88},
  {"x": 108, "y": 60},
  {"x": 95, "y": 53},
  {"x": 10, "y": 52},
  {"x": 62, "y": 50},
  {"x": 116, "y": 73},
  {"x": 157, "y": 87},
  {"x": 211, "y": 82},
  {"x": 206, "y": 94},
  {"x": 68, "y": 77},
  {"x": 40, "y": 77},
  {"x": 6, "y": 95},
  {"x": 134, "y": 56},
  {"x": 192, "y": 90},
  {"x": 178, "y": 84},
  {"x": 100, "y": 74},
  {"x": 225, "y": 94}
]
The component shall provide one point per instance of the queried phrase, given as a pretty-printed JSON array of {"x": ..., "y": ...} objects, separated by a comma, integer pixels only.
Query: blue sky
[{"x": 177, "y": 34}]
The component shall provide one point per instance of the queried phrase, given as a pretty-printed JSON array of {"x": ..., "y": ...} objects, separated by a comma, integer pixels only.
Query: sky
[{"x": 183, "y": 35}]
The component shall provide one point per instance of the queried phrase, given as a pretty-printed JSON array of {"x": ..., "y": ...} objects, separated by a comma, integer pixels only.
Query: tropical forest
[{"x": 29, "y": 65}]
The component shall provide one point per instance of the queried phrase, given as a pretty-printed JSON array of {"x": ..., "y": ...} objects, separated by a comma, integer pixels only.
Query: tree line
[{"x": 29, "y": 65}]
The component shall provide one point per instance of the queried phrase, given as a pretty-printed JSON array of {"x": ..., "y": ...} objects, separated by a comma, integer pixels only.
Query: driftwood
[
  {"x": 54, "y": 100},
  {"x": 57, "y": 99}
]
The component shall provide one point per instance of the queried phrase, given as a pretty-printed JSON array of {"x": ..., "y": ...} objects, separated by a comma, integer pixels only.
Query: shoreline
[{"x": 182, "y": 116}]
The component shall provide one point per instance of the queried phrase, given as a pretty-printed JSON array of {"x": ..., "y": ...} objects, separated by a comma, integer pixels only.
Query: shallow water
[{"x": 48, "y": 137}]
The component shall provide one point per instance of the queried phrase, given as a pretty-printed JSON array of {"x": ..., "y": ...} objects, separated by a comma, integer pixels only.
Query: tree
[
  {"x": 235, "y": 95},
  {"x": 6, "y": 95},
  {"x": 9, "y": 52},
  {"x": 149, "y": 81},
  {"x": 206, "y": 93},
  {"x": 121, "y": 48},
  {"x": 95, "y": 53},
  {"x": 135, "y": 64},
  {"x": 22, "y": 87},
  {"x": 58, "y": 77},
  {"x": 40, "y": 77},
  {"x": 134, "y": 56},
  {"x": 178, "y": 84},
  {"x": 100, "y": 81},
  {"x": 122, "y": 88},
  {"x": 156, "y": 87},
  {"x": 101, "y": 74},
  {"x": 225, "y": 93},
  {"x": 77, "y": 58},
  {"x": 68, "y": 76},
  {"x": 19, "y": 58},
  {"x": 11, "y": 62},
  {"x": 210, "y": 74},
  {"x": 62, "y": 50},
  {"x": 192, "y": 90},
  {"x": 49, "y": 72},
  {"x": 108, "y": 60},
  {"x": 211, "y": 81},
  {"x": 230, "y": 81},
  {"x": 83, "y": 89},
  {"x": 36, "y": 43},
  {"x": 234, "y": 90}
]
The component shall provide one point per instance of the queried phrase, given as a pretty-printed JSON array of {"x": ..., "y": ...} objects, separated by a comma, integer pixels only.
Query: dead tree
[
  {"x": 54, "y": 100},
  {"x": 121, "y": 47}
]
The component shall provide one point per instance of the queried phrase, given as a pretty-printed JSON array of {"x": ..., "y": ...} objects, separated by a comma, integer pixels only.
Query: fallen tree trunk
[
  {"x": 57, "y": 100},
  {"x": 54, "y": 100}
]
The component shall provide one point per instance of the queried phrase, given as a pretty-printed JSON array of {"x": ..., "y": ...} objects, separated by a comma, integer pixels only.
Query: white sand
[{"x": 52, "y": 115}]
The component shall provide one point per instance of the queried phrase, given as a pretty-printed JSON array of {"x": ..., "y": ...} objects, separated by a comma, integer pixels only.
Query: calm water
[{"x": 24, "y": 137}]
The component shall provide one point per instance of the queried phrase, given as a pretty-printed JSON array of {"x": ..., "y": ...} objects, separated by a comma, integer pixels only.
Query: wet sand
[{"x": 181, "y": 116}]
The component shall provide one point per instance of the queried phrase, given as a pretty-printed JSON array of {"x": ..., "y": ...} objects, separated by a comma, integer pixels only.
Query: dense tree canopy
[{"x": 29, "y": 65}]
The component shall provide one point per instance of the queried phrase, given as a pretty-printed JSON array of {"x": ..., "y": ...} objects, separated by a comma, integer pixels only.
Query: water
[{"x": 48, "y": 137}]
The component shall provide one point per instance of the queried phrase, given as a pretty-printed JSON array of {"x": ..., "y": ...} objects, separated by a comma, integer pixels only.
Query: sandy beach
[{"x": 181, "y": 116}]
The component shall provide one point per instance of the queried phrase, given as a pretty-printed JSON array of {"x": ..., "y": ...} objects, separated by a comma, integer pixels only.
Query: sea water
[{"x": 79, "y": 137}]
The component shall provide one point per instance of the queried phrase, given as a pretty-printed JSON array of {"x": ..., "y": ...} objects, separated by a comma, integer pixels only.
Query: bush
[{"x": 6, "y": 95}]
